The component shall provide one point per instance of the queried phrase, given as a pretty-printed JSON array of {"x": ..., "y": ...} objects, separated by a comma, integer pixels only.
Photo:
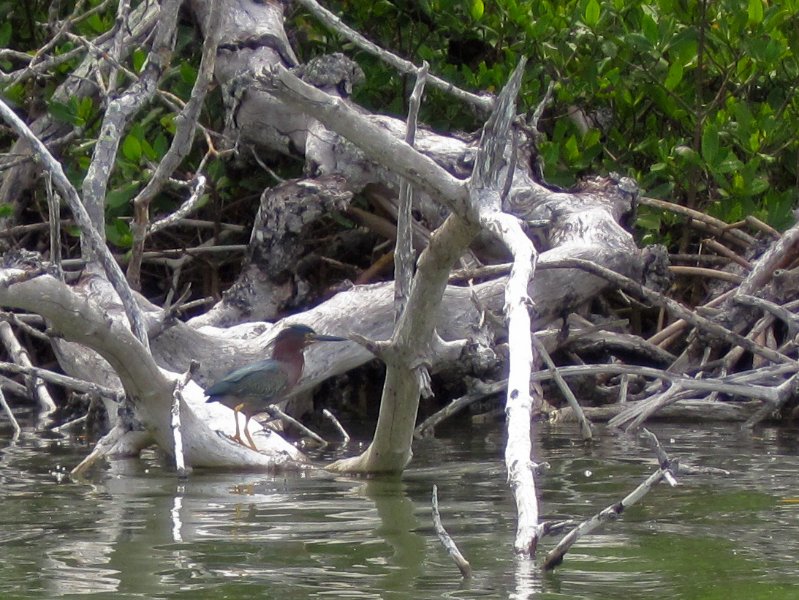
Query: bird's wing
[{"x": 264, "y": 379}]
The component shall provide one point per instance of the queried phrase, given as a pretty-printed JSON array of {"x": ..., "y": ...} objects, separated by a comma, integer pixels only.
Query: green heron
[{"x": 249, "y": 390}]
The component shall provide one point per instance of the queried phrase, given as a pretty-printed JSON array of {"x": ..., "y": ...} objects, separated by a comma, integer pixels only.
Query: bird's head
[{"x": 296, "y": 337}]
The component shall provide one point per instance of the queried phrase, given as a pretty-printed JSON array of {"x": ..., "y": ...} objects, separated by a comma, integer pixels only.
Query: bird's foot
[{"x": 237, "y": 439}]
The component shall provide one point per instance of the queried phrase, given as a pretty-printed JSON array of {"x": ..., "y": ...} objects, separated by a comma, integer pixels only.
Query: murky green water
[{"x": 134, "y": 532}]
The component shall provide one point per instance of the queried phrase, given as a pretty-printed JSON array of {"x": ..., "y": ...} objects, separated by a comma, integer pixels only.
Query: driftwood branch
[
  {"x": 84, "y": 221},
  {"x": 614, "y": 511},
  {"x": 485, "y": 188},
  {"x": 7, "y": 409},
  {"x": 150, "y": 387},
  {"x": 446, "y": 540}
]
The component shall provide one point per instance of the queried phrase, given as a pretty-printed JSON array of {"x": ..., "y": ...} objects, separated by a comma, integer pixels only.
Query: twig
[
  {"x": 479, "y": 272},
  {"x": 20, "y": 356},
  {"x": 725, "y": 252},
  {"x": 674, "y": 307},
  {"x": 539, "y": 109},
  {"x": 69, "y": 424},
  {"x": 705, "y": 272},
  {"x": 54, "y": 210},
  {"x": 780, "y": 312},
  {"x": 345, "y": 436},
  {"x": 585, "y": 425},
  {"x": 11, "y": 417},
  {"x": 177, "y": 253},
  {"x": 101, "y": 449},
  {"x": 449, "y": 544},
  {"x": 612, "y": 512},
  {"x": 639, "y": 412},
  {"x": 78, "y": 385},
  {"x": 115, "y": 52},
  {"x": 88, "y": 232},
  {"x": 756, "y": 223},
  {"x": 404, "y": 257},
  {"x": 177, "y": 436},
  {"x": 623, "y": 387},
  {"x": 179, "y": 148},
  {"x": 740, "y": 384},
  {"x": 484, "y": 102},
  {"x": 479, "y": 392},
  {"x": 189, "y": 206},
  {"x": 717, "y": 225},
  {"x": 276, "y": 413}
]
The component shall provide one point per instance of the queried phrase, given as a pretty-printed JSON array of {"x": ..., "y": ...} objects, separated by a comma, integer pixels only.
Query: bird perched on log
[{"x": 251, "y": 389}]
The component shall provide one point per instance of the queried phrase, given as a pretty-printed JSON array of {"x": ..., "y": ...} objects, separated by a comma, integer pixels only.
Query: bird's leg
[
  {"x": 247, "y": 433},
  {"x": 237, "y": 435}
]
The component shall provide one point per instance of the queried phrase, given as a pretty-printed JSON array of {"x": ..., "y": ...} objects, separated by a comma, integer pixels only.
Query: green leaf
[
  {"x": 755, "y": 12},
  {"x": 139, "y": 56},
  {"x": 688, "y": 154},
  {"x": 571, "y": 149},
  {"x": 131, "y": 148},
  {"x": 6, "y": 210},
  {"x": 710, "y": 144},
  {"x": 96, "y": 23},
  {"x": 119, "y": 197},
  {"x": 476, "y": 9},
  {"x": 674, "y": 76},
  {"x": 187, "y": 72},
  {"x": 649, "y": 221},
  {"x": 61, "y": 112},
  {"x": 119, "y": 234},
  {"x": 650, "y": 29},
  {"x": 592, "y": 11},
  {"x": 758, "y": 185},
  {"x": 168, "y": 122},
  {"x": 5, "y": 34},
  {"x": 160, "y": 146},
  {"x": 148, "y": 150}
]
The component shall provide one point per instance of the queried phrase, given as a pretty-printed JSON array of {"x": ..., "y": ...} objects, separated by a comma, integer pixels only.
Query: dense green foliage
[{"x": 697, "y": 100}]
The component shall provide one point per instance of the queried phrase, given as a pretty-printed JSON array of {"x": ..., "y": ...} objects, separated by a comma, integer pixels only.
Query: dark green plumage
[{"x": 266, "y": 379}]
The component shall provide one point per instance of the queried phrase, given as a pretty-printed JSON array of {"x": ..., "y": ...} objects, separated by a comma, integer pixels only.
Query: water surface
[{"x": 132, "y": 530}]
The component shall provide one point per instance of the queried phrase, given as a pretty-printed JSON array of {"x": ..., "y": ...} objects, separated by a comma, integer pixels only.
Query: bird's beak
[{"x": 318, "y": 337}]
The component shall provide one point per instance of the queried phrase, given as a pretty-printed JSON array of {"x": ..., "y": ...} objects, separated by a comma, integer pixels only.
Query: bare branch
[
  {"x": 484, "y": 102},
  {"x": 403, "y": 254},
  {"x": 446, "y": 540},
  {"x": 88, "y": 232}
]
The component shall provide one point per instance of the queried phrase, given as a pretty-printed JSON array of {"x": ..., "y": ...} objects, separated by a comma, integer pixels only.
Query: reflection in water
[
  {"x": 526, "y": 579},
  {"x": 137, "y": 531}
]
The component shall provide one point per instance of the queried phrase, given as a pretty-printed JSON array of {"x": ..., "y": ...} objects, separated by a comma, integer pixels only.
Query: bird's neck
[{"x": 293, "y": 366}]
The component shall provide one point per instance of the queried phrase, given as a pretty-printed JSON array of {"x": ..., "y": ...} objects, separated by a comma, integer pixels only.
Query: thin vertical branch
[
  {"x": 68, "y": 192},
  {"x": 585, "y": 425},
  {"x": 20, "y": 356},
  {"x": 54, "y": 208},
  {"x": 177, "y": 435},
  {"x": 181, "y": 144},
  {"x": 485, "y": 185},
  {"x": 403, "y": 255},
  {"x": 7, "y": 409},
  {"x": 446, "y": 540},
  {"x": 116, "y": 117}
]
